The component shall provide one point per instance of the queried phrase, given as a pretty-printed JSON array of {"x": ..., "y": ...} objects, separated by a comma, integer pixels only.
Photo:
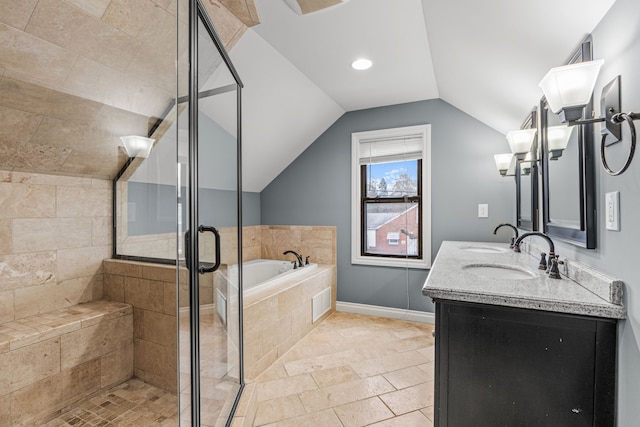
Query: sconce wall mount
[
  {"x": 611, "y": 107},
  {"x": 568, "y": 90}
]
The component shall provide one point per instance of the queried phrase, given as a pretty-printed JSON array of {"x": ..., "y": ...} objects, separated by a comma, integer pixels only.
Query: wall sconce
[
  {"x": 521, "y": 141},
  {"x": 137, "y": 146},
  {"x": 568, "y": 90},
  {"x": 525, "y": 165},
  {"x": 503, "y": 162},
  {"x": 558, "y": 139}
]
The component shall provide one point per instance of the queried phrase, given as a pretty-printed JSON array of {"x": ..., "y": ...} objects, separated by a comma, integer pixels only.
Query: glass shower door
[{"x": 210, "y": 228}]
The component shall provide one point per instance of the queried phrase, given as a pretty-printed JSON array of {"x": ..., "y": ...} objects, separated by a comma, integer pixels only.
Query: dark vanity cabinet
[{"x": 504, "y": 366}]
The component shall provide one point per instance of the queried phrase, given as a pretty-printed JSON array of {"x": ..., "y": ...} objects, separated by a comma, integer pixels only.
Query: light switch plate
[
  {"x": 483, "y": 210},
  {"x": 612, "y": 210}
]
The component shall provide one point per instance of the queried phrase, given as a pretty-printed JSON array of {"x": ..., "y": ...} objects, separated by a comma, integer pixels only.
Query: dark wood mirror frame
[
  {"x": 531, "y": 223},
  {"x": 583, "y": 235}
]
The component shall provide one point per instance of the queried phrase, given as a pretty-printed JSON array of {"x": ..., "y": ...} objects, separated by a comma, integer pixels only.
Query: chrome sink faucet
[
  {"x": 515, "y": 230},
  {"x": 553, "y": 271},
  {"x": 298, "y": 256}
]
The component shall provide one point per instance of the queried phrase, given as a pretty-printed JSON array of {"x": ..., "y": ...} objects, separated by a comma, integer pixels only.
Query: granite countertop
[{"x": 450, "y": 280}]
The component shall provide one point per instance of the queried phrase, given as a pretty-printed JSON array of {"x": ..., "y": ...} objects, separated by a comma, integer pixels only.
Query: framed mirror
[
  {"x": 527, "y": 182},
  {"x": 568, "y": 171}
]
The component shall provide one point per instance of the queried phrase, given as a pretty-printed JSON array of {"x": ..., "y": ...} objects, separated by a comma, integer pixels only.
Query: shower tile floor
[
  {"x": 351, "y": 370},
  {"x": 133, "y": 403}
]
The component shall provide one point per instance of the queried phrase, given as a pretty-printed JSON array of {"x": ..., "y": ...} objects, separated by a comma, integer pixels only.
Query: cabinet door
[{"x": 501, "y": 366}]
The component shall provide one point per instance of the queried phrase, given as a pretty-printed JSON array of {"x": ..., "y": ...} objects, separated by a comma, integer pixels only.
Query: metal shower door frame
[{"x": 196, "y": 12}]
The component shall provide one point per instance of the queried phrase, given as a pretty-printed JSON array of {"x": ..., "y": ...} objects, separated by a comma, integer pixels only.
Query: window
[{"x": 391, "y": 203}]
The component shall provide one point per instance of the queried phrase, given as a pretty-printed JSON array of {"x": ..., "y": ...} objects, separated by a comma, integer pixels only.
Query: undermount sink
[
  {"x": 485, "y": 249},
  {"x": 497, "y": 271}
]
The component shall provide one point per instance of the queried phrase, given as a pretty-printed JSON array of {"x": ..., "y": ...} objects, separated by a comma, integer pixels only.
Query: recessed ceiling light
[{"x": 361, "y": 64}]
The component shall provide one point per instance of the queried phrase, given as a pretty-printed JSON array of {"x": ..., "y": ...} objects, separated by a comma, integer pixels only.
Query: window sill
[{"x": 391, "y": 262}]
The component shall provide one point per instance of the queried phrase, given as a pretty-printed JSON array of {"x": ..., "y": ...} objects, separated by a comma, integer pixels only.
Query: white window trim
[{"x": 404, "y": 132}]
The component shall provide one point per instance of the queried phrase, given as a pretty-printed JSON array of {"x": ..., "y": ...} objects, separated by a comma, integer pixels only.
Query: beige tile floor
[
  {"x": 351, "y": 370},
  {"x": 219, "y": 374}
]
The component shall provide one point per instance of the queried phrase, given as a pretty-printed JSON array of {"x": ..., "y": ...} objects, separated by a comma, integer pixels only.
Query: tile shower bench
[{"x": 51, "y": 360}]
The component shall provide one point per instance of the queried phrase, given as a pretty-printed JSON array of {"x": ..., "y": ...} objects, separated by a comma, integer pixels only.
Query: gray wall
[
  {"x": 156, "y": 202},
  {"x": 156, "y": 205},
  {"x": 316, "y": 190},
  {"x": 616, "y": 40}
]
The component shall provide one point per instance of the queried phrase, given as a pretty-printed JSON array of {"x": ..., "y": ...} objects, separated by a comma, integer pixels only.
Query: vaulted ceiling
[
  {"x": 485, "y": 58},
  {"x": 77, "y": 74}
]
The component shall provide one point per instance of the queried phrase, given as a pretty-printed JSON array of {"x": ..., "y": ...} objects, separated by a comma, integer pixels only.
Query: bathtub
[{"x": 259, "y": 274}]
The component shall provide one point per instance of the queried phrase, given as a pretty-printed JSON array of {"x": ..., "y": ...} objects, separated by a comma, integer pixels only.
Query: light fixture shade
[
  {"x": 503, "y": 161},
  {"x": 137, "y": 146},
  {"x": 570, "y": 86},
  {"x": 558, "y": 137},
  {"x": 521, "y": 141}
]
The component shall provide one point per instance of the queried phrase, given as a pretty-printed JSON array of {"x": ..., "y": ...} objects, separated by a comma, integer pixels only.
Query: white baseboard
[{"x": 388, "y": 312}]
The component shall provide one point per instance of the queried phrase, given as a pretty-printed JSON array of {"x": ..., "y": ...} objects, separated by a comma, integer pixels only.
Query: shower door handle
[
  {"x": 203, "y": 267},
  {"x": 206, "y": 267},
  {"x": 187, "y": 248}
]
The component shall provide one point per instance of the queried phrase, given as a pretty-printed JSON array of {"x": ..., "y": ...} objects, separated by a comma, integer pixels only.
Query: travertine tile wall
[
  {"x": 258, "y": 241},
  {"x": 317, "y": 242},
  {"x": 95, "y": 69},
  {"x": 55, "y": 231},
  {"x": 151, "y": 290}
]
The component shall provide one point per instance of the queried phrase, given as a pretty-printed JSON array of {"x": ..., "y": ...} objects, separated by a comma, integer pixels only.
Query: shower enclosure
[
  {"x": 98, "y": 231},
  {"x": 202, "y": 132},
  {"x": 212, "y": 229}
]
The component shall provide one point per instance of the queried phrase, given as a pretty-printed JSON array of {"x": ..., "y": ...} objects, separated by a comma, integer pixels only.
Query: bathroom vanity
[{"x": 516, "y": 348}]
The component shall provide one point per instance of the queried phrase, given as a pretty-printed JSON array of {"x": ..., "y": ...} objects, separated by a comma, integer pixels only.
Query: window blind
[{"x": 390, "y": 150}]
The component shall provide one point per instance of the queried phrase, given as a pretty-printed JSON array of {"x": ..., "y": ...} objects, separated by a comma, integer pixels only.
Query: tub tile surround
[
  {"x": 52, "y": 242},
  {"x": 276, "y": 319},
  {"x": 317, "y": 242}
]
